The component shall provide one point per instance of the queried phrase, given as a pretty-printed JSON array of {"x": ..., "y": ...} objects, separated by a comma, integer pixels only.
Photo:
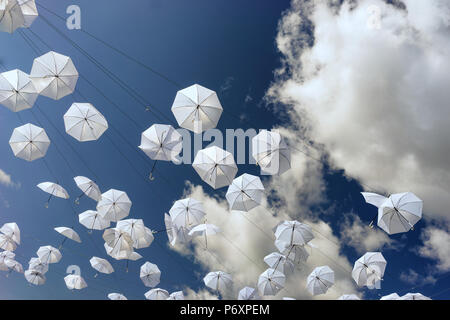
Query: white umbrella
[
  {"x": 68, "y": 233},
  {"x": 29, "y": 11},
  {"x": 174, "y": 233},
  {"x": 320, "y": 280},
  {"x": 161, "y": 142},
  {"x": 374, "y": 199},
  {"x": 75, "y": 282},
  {"x": 369, "y": 269},
  {"x": 270, "y": 282},
  {"x": 400, "y": 213},
  {"x": 392, "y": 296},
  {"x": 14, "y": 265},
  {"x": 271, "y": 153},
  {"x": 205, "y": 230},
  {"x": 36, "y": 264},
  {"x": 349, "y": 297},
  {"x": 141, "y": 235},
  {"x": 187, "y": 212},
  {"x": 54, "y": 75},
  {"x": 125, "y": 254},
  {"x": 215, "y": 166},
  {"x": 11, "y": 16},
  {"x": 49, "y": 254},
  {"x": 114, "y": 205},
  {"x": 84, "y": 122},
  {"x": 414, "y": 296},
  {"x": 157, "y": 294},
  {"x": 12, "y": 231},
  {"x": 4, "y": 257},
  {"x": 279, "y": 262},
  {"x": 101, "y": 265},
  {"x": 150, "y": 274},
  {"x": 296, "y": 253},
  {"x": 88, "y": 187},
  {"x": 197, "y": 108},
  {"x": 54, "y": 189},
  {"x": 248, "y": 293},
  {"x": 7, "y": 243},
  {"x": 93, "y": 221},
  {"x": 118, "y": 241},
  {"x": 116, "y": 296},
  {"x": 29, "y": 142},
  {"x": 17, "y": 91},
  {"x": 177, "y": 295},
  {"x": 294, "y": 233},
  {"x": 35, "y": 277},
  {"x": 245, "y": 193},
  {"x": 218, "y": 280}
]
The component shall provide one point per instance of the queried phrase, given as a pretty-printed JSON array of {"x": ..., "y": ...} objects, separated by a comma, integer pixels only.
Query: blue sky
[{"x": 228, "y": 46}]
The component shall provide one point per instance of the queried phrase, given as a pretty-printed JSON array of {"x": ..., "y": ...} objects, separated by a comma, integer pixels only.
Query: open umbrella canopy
[
  {"x": 218, "y": 280},
  {"x": 11, "y": 16},
  {"x": 141, "y": 235},
  {"x": 215, "y": 166},
  {"x": 29, "y": 11},
  {"x": 414, "y": 296},
  {"x": 245, "y": 193},
  {"x": 161, "y": 142},
  {"x": 75, "y": 282},
  {"x": 92, "y": 220},
  {"x": 320, "y": 280},
  {"x": 150, "y": 274},
  {"x": 7, "y": 243},
  {"x": 124, "y": 254},
  {"x": 89, "y": 187},
  {"x": 36, "y": 264},
  {"x": 293, "y": 233},
  {"x": 279, "y": 262},
  {"x": 14, "y": 265},
  {"x": 68, "y": 233},
  {"x": 270, "y": 282},
  {"x": 116, "y": 296},
  {"x": 271, "y": 153},
  {"x": 54, "y": 189},
  {"x": 114, "y": 205},
  {"x": 349, "y": 297},
  {"x": 374, "y": 199},
  {"x": 187, "y": 213},
  {"x": 295, "y": 253},
  {"x": 4, "y": 257},
  {"x": 392, "y": 296},
  {"x": 29, "y": 142},
  {"x": 17, "y": 91},
  {"x": 369, "y": 269},
  {"x": 157, "y": 294},
  {"x": 248, "y": 293},
  {"x": 177, "y": 295},
  {"x": 118, "y": 241},
  {"x": 49, "y": 254},
  {"x": 35, "y": 277},
  {"x": 204, "y": 229},
  {"x": 84, "y": 122},
  {"x": 54, "y": 75},
  {"x": 101, "y": 265},
  {"x": 11, "y": 230},
  {"x": 197, "y": 108}
]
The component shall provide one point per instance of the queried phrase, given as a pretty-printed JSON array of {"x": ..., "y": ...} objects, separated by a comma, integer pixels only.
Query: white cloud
[
  {"x": 412, "y": 277},
  {"x": 6, "y": 179},
  {"x": 436, "y": 246}
]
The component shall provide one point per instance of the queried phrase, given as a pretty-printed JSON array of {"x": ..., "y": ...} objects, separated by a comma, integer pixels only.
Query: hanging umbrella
[
  {"x": 84, "y": 122},
  {"x": 93, "y": 221},
  {"x": 101, "y": 265},
  {"x": 320, "y": 280},
  {"x": 4, "y": 257},
  {"x": 295, "y": 253},
  {"x": 157, "y": 294},
  {"x": 218, "y": 280},
  {"x": 174, "y": 233},
  {"x": 88, "y": 187},
  {"x": 187, "y": 212},
  {"x": 374, "y": 199},
  {"x": 37, "y": 265},
  {"x": 29, "y": 11},
  {"x": 270, "y": 282},
  {"x": 54, "y": 189},
  {"x": 392, "y": 296},
  {"x": 349, "y": 297},
  {"x": 197, "y": 108},
  {"x": 49, "y": 254},
  {"x": 68, "y": 233},
  {"x": 29, "y": 142},
  {"x": 414, "y": 296},
  {"x": 205, "y": 230},
  {"x": 245, "y": 193},
  {"x": 141, "y": 235},
  {"x": 114, "y": 205},
  {"x": 6, "y": 243},
  {"x": 13, "y": 265},
  {"x": 177, "y": 295},
  {"x": 400, "y": 213},
  {"x": 35, "y": 277},
  {"x": 116, "y": 296},
  {"x": 117, "y": 240},
  {"x": 150, "y": 274},
  {"x": 161, "y": 142},
  {"x": 75, "y": 282},
  {"x": 279, "y": 262},
  {"x": 124, "y": 254},
  {"x": 293, "y": 233},
  {"x": 215, "y": 166},
  {"x": 248, "y": 293},
  {"x": 17, "y": 91},
  {"x": 12, "y": 231},
  {"x": 271, "y": 153},
  {"x": 369, "y": 269},
  {"x": 11, "y": 16},
  {"x": 54, "y": 75}
]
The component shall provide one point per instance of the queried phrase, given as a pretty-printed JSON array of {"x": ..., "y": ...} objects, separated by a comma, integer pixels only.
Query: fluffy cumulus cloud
[
  {"x": 436, "y": 246},
  {"x": 5, "y": 178}
]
